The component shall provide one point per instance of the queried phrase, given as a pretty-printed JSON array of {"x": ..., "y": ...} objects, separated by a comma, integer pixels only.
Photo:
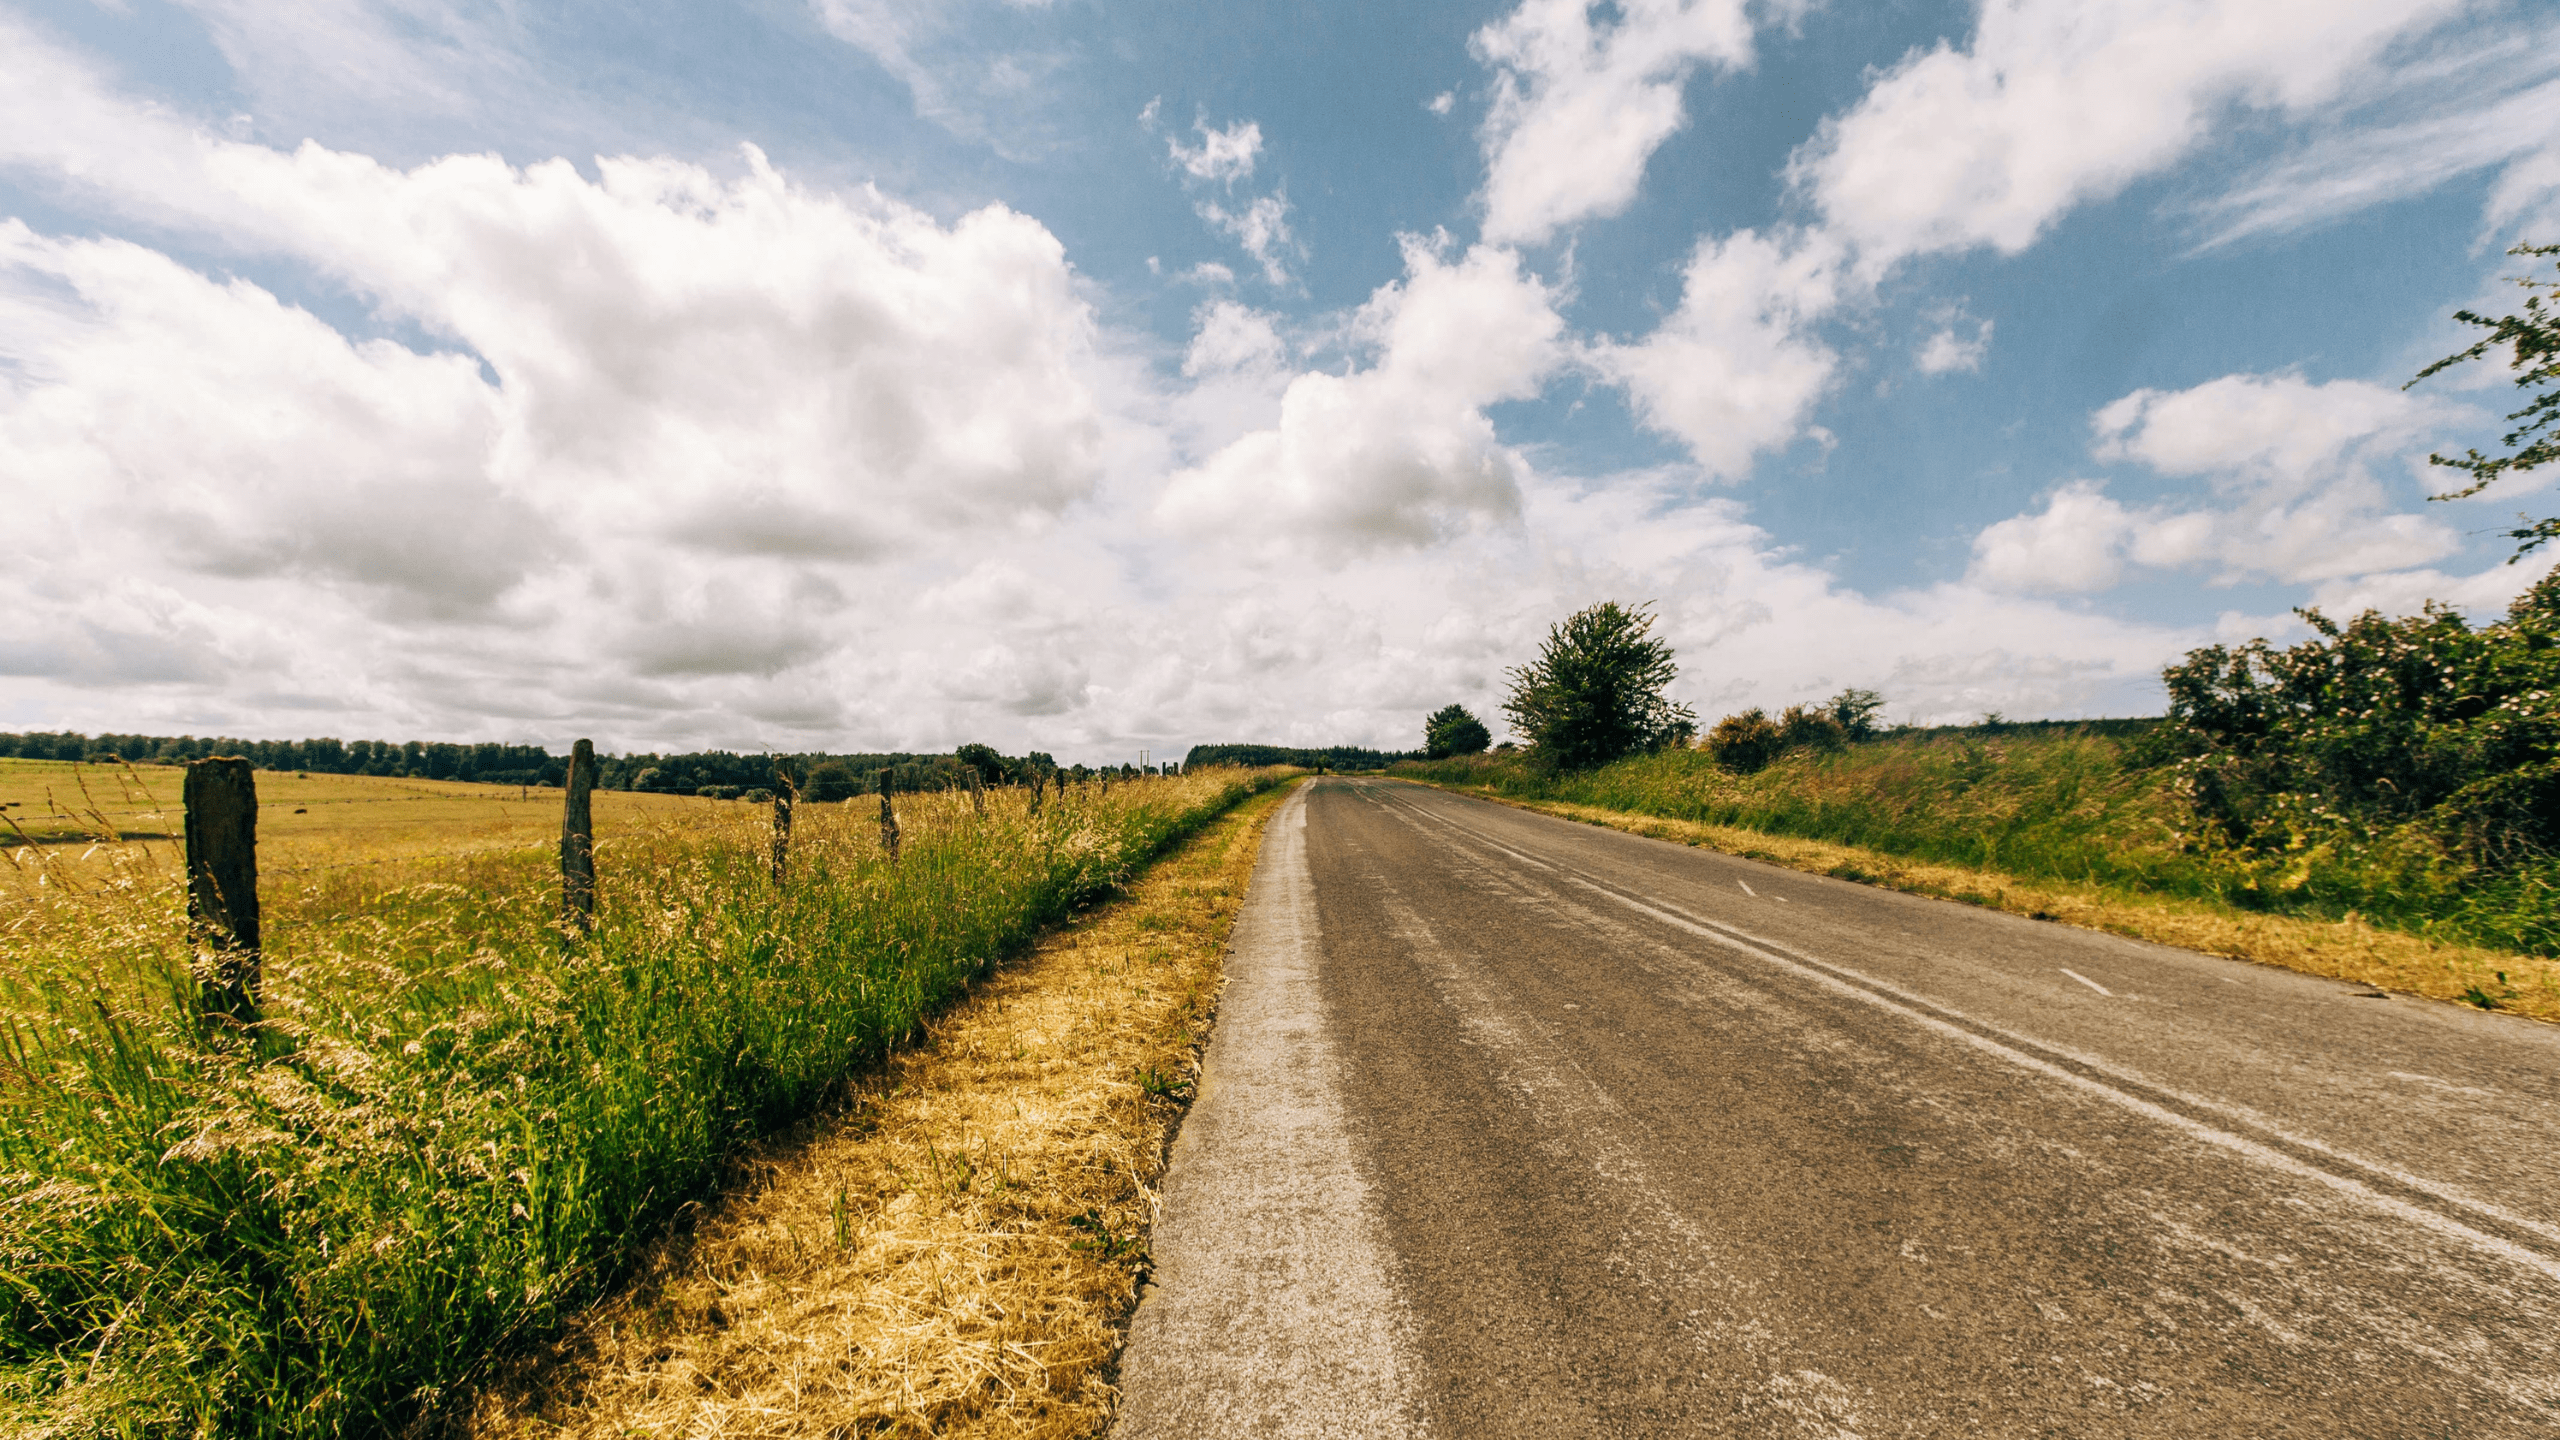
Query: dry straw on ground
[
  {"x": 2345, "y": 950},
  {"x": 954, "y": 1251}
]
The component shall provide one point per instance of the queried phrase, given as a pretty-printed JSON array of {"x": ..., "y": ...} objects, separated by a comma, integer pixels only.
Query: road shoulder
[{"x": 1275, "y": 1307}]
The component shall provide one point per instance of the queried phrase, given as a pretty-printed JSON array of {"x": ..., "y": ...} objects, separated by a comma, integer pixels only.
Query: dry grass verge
[
  {"x": 2346, "y": 950},
  {"x": 954, "y": 1251}
]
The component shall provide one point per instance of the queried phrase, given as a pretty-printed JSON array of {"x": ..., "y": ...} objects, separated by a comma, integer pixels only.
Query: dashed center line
[
  {"x": 1747, "y": 890},
  {"x": 2085, "y": 980}
]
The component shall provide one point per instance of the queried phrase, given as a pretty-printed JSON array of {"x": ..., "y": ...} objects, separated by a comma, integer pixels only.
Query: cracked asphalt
[{"x": 1512, "y": 1126}]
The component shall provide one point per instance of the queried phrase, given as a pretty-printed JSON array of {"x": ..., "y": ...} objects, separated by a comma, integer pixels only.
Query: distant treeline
[
  {"x": 721, "y": 773},
  {"x": 727, "y": 775},
  {"x": 1332, "y": 757},
  {"x": 491, "y": 764}
]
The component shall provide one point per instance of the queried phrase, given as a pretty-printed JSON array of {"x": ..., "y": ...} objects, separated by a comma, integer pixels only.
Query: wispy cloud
[
  {"x": 975, "y": 67},
  {"x": 2420, "y": 128}
]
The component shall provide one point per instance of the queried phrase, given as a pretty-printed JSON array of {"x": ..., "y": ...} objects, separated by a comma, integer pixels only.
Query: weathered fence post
[
  {"x": 888, "y": 815},
  {"x": 977, "y": 792},
  {"x": 783, "y": 794},
  {"x": 221, "y": 797},
  {"x": 1039, "y": 783},
  {"x": 578, "y": 842}
]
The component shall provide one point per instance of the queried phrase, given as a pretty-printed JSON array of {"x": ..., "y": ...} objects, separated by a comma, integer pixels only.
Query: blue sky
[{"x": 1088, "y": 376}]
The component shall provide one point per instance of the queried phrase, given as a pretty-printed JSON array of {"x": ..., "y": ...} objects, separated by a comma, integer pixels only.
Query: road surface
[{"x": 1512, "y": 1126}]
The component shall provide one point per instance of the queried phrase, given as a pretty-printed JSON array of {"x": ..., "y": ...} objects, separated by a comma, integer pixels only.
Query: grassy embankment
[
  {"x": 2065, "y": 822},
  {"x": 457, "y": 1129},
  {"x": 954, "y": 1252}
]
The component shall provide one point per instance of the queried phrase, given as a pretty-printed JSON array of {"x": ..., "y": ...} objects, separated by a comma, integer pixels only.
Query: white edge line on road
[
  {"x": 1751, "y": 942},
  {"x": 2237, "y": 1144},
  {"x": 2085, "y": 980}
]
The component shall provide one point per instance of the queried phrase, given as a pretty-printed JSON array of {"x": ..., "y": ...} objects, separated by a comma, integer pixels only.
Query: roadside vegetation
[
  {"x": 954, "y": 1250},
  {"x": 2393, "y": 773},
  {"x": 456, "y": 1125}
]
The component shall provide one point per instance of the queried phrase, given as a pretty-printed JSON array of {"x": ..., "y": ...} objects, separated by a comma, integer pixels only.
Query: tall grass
[
  {"x": 457, "y": 1123},
  {"x": 2076, "y": 803}
]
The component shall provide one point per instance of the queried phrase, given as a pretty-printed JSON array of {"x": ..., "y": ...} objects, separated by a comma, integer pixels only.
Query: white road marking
[
  {"x": 1885, "y": 994},
  {"x": 2445, "y": 1085},
  {"x": 1782, "y": 897},
  {"x": 1747, "y": 890},
  {"x": 2085, "y": 980},
  {"x": 1819, "y": 973}
]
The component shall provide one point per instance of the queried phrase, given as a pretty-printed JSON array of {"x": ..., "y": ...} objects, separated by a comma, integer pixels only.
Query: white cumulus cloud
[
  {"x": 2075, "y": 545},
  {"x": 646, "y": 452},
  {"x": 1583, "y": 96},
  {"x": 1400, "y": 453},
  {"x": 1734, "y": 372},
  {"x": 2293, "y": 490},
  {"x": 2054, "y": 102}
]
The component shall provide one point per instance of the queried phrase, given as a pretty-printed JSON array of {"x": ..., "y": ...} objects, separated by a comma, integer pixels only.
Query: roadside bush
[
  {"x": 1749, "y": 741},
  {"x": 1746, "y": 742},
  {"x": 2375, "y": 726},
  {"x": 1803, "y": 727}
]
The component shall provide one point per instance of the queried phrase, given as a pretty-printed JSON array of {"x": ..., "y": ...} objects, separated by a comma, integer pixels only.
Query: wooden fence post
[
  {"x": 888, "y": 815},
  {"x": 1039, "y": 783},
  {"x": 221, "y": 796},
  {"x": 977, "y": 792},
  {"x": 578, "y": 843},
  {"x": 783, "y": 793}
]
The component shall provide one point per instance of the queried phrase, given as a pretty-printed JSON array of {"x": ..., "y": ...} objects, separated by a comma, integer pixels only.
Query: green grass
[
  {"x": 458, "y": 1128},
  {"x": 2063, "y": 802}
]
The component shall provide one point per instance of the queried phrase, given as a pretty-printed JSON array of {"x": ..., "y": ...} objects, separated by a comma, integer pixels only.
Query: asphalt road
[{"x": 1512, "y": 1126}]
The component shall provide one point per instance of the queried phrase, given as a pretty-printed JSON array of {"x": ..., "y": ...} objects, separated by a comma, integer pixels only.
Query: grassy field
[
  {"x": 306, "y": 823},
  {"x": 2068, "y": 815},
  {"x": 459, "y": 1126}
]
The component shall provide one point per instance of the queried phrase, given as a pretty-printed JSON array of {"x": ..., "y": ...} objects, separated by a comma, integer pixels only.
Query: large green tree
[
  {"x": 2533, "y": 337},
  {"x": 1454, "y": 730},
  {"x": 1595, "y": 691}
]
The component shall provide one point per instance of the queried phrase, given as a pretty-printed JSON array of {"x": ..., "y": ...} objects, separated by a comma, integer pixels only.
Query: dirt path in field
[{"x": 956, "y": 1251}]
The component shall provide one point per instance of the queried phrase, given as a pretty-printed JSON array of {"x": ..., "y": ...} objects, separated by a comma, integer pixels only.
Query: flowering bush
[{"x": 2375, "y": 726}]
